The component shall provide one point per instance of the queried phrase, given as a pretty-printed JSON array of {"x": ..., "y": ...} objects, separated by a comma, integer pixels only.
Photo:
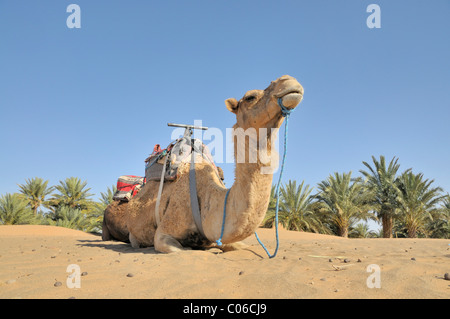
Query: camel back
[
  {"x": 176, "y": 153},
  {"x": 162, "y": 164}
]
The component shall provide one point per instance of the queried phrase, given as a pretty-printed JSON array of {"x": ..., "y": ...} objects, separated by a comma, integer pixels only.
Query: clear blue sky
[{"x": 92, "y": 102}]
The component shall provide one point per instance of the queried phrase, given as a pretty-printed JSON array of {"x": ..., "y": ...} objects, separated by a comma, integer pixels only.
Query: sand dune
[{"x": 34, "y": 261}]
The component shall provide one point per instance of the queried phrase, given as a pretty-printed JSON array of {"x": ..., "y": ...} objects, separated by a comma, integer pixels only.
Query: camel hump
[{"x": 173, "y": 155}]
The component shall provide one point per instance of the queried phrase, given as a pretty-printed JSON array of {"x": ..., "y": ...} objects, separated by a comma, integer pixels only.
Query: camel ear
[{"x": 232, "y": 105}]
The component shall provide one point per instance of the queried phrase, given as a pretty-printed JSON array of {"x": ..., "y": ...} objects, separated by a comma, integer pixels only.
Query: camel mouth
[
  {"x": 291, "y": 97},
  {"x": 296, "y": 92},
  {"x": 288, "y": 91}
]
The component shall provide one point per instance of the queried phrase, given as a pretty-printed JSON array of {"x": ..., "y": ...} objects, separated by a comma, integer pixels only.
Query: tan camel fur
[{"x": 248, "y": 198}]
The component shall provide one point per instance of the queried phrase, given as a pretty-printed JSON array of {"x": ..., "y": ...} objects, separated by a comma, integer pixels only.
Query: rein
[{"x": 286, "y": 113}]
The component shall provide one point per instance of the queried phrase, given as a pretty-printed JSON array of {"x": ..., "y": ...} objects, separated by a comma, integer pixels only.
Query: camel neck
[
  {"x": 250, "y": 194},
  {"x": 255, "y": 168}
]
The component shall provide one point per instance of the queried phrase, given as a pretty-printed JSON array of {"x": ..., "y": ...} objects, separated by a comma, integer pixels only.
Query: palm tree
[
  {"x": 345, "y": 201},
  {"x": 69, "y": 217},
  {"x": 35, "y": 190},
  {"x": 399, "y": 228},
  {"x": 295, "y": 210},
  {"x": 72, "y": 193},
  {"x": 446, "y": 202},
  {"x": 107, "y": 197},
  {"x": 382, "y": 182},
  {"x": 14, "y": 210},
  {"x": 418, "y": 200},
  {"x": 440, "y": 226},
  {"x": 95, "y": 216},
  {"x": 361, "y": 230}
]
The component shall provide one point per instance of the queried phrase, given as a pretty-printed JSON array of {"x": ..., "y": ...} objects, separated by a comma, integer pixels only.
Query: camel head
[{"x": 260, "y": 109}]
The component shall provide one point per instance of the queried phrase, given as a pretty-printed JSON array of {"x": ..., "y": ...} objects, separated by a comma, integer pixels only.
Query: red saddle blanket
[{"x": 128, "y": 186}]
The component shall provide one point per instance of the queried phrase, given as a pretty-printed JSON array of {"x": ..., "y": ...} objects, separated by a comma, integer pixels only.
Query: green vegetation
[
  {"x": 34, "y": 192},
  {"x": 382, "y": 182},
  {"x": 296, "y": 211},
  {"x": 68, "y": 204},
  {"x": 406, "y": 204},
  {"x": 15, "y": 210},
  {"x": 344, "y": 201}
]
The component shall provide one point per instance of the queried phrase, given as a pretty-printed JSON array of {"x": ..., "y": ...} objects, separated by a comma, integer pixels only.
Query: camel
[{"x": 248, "y": 198}]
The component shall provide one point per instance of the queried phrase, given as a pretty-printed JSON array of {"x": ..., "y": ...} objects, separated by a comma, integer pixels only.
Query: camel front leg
[
  {"x": 165, "y": 243},
  {"x": 133, "y": 241},
  {"x": 106, "y": 235}
]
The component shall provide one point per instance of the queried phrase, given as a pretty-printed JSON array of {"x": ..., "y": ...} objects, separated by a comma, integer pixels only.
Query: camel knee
[
  {"x": 133, "y": 240},
  {"x": 165, "y": 243},
  {"x": 105, "y": 231}
]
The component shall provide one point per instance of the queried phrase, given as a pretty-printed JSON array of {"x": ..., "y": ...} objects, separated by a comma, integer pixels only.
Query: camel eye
[{"x": 250, "y": 98}]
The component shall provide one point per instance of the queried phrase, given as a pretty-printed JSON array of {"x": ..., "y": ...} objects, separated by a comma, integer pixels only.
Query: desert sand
[{"x": 34, "y": 261}]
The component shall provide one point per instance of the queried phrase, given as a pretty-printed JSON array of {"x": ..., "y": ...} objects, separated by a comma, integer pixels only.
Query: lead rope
[{"x": 285, "y": 112}]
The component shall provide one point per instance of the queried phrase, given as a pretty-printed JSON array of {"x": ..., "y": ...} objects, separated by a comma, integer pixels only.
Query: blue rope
[
  {"x": 219, "y": 241},
  {"x": 285, "y": 112}
]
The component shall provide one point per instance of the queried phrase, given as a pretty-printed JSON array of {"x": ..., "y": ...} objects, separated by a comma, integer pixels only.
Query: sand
[{"x": 34, "y": 262}]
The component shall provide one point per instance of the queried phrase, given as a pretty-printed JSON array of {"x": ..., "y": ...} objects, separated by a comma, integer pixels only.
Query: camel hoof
[{"x": 233, "y": 246}]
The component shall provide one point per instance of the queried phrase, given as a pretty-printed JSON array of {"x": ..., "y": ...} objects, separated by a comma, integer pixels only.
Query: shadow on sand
[
  {"x": 126, "y": 248},
  {"x": 115, "y": 246}
]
